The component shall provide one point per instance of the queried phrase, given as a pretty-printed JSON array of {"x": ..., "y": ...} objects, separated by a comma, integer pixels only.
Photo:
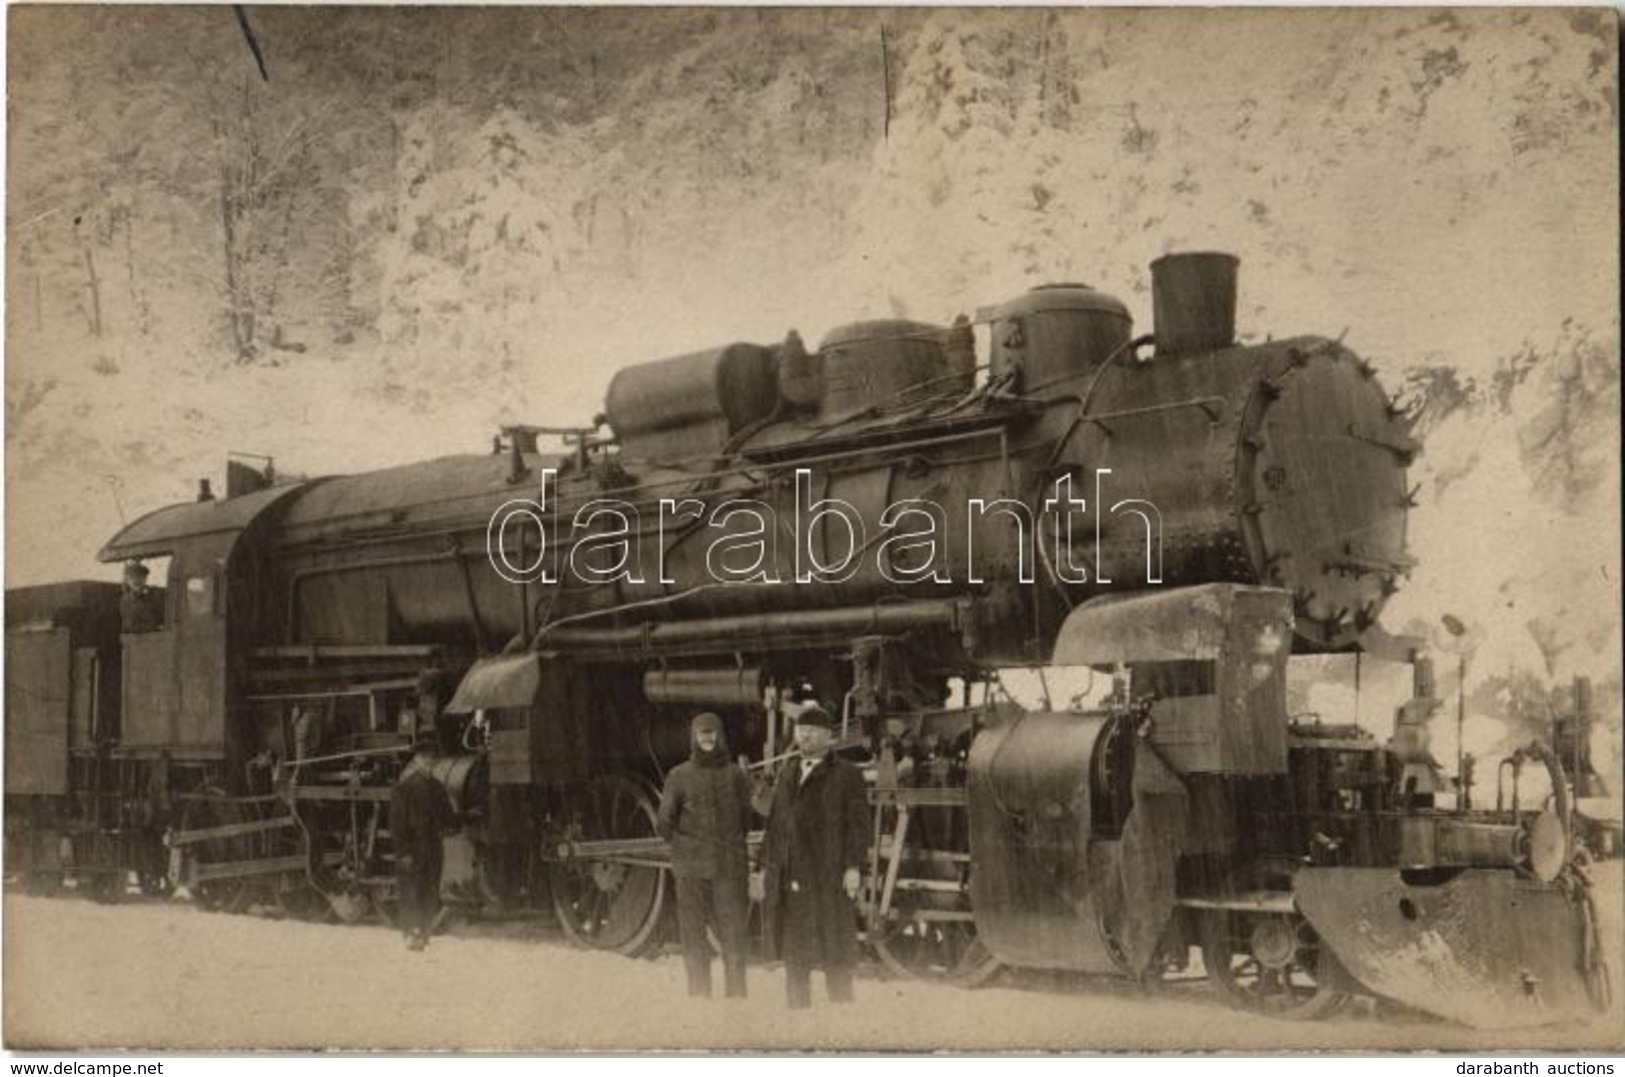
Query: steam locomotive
[{"x": 893, "y": 522}]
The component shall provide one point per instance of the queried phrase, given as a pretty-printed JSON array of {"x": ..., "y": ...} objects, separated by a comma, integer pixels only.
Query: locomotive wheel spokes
[
  {"x": 606, "y": 904},
  {"x": 925, "y": 930},
  {"x": 1272, "y": 964}
]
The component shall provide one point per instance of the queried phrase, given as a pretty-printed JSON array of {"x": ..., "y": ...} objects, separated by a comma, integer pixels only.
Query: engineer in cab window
[{"x": 141, "y": 607}]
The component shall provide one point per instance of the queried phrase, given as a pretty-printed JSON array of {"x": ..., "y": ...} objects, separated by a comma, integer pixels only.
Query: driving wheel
[
  {"x": 607, "y": 903},
  {"x": 1271, "y": 963}
]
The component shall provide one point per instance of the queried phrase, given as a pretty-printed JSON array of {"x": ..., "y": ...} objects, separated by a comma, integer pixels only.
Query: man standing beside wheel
[
  {"x": 817, "y": 840},
  {"x": 704, "y": 812},
  {"x": 420, "y": 814}
]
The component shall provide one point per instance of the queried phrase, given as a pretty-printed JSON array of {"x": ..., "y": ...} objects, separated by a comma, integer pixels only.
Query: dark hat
[
  {"x": 135, "y": 567},
  {"x": 705, "y": 720},
  {"x": 815, "y": 715}
]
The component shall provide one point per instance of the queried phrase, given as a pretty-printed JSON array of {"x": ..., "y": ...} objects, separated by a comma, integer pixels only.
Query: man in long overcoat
[
  {"x": 817, "y": 841},
  {"x": 704, "y": 813},
  {"x": 420, "y": 814}
]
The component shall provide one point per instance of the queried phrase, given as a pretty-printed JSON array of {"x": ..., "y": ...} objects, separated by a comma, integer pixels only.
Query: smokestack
[{"x": 1193, "y": 301}]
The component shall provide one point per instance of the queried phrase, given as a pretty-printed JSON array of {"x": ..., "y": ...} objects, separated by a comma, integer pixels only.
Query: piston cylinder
[{"x": 731, "y": 687}]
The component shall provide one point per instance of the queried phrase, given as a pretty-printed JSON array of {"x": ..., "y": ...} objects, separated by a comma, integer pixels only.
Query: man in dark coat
[
  {"x": 817, "y": 841},
  {"x": 141, "y": 607},
  {"x": 420, "y": 814},
  {"x": 704, "y": 811}
]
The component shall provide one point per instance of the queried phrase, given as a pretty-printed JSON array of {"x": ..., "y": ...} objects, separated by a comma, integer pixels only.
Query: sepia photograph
[{"x": 549, "y": 529}]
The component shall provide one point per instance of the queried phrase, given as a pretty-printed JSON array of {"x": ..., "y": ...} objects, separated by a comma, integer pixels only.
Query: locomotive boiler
[{"x": 890, "y": 518}]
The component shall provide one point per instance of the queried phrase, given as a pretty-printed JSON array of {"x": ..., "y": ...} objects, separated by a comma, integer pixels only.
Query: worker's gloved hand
[{"x": 850, "y": 882}]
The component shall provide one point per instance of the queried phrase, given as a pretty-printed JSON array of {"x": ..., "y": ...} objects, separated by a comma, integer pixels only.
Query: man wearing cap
[
  {"x": 704, "y": 812},
  {"x": 420, "y": 814},
  {"x": 140, "y": 607},
  {"x": 817, "y": 840}
]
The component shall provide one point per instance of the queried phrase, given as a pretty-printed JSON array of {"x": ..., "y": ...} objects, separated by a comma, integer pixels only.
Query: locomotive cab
[{"x": 177, "y": 695}]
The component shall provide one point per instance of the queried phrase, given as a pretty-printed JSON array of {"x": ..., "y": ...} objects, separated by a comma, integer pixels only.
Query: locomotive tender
[{"x": 891, "y": 522}]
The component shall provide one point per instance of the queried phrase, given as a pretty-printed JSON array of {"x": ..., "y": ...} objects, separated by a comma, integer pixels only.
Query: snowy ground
[{"x": 166, "y": 974}]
